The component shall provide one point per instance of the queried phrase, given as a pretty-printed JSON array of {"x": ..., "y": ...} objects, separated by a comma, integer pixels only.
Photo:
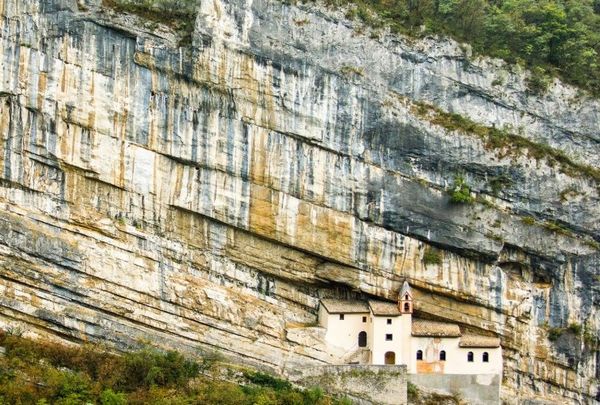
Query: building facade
[{"x": 379, "y": 333}]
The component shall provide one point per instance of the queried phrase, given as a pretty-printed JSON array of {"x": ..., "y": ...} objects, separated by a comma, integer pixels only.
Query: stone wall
[
  {"x": 477, "y": 389},
  {"x": 361, "y": 383}
]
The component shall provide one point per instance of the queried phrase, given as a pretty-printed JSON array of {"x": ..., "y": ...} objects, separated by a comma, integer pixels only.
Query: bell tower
[{"x": 405, "y": 299}]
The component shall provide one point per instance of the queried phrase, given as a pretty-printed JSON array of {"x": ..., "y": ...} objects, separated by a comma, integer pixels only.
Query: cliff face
[{"x": 205, "y": 195}]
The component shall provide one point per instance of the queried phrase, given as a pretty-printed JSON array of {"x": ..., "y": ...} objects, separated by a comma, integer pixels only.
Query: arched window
[
  {"x": 443, "y": 355},
  {"x": 362, "y": 339},
  {"x": 419, "y": 354},
  {"x": 406, "y": 307},
  {"x": 470, "y": 357},
  {"x": 486, "y": 357},
  {"x": 390, "y": 358}
]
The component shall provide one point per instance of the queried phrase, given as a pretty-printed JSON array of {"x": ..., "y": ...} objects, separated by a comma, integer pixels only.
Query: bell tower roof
[
  {"x": 405, "y": 299},
  {"x": 405, "y": 292}
]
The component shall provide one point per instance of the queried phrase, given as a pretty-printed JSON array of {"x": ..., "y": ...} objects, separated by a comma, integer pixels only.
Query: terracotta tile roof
[
  {"x": 478, "y": 341},
  {"x": 432, "y": 328},
  {"x": 382, "y": 308},
  {"x": 335, "y": 306}
]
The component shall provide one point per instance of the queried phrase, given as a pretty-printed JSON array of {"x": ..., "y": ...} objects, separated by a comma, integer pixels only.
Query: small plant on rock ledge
[
  {"x": 460, "y": 193},
  {"x": 555, "y": 333},
  {"x": 432, "y": 256},
  {"x": 349, "y": 71}
]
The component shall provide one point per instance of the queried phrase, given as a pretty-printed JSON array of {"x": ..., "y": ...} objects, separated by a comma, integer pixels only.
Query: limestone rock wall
[{"x": 206, "y": 195}]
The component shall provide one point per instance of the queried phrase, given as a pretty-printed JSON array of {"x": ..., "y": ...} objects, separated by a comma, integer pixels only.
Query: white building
[{"x": 377, "y": 332}]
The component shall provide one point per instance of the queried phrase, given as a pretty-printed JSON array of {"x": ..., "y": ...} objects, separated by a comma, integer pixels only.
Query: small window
[
  {"x": 470, "y": 357},
  {"x": 419, "y": 354},
  {"x": 486, "y": 357},
  {"x": 389, "y": 321},
  {"x": 406, "y": 297},
  {"x": 406, "y": 307},
  {"x": 341, "y": 317},
  {"x": 388, "y": 336},
  {"x": 364, "y": 319},
  {"x": 443, "y": 355}
]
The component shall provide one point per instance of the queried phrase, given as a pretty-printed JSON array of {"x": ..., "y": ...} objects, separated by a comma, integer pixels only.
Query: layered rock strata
[{"x": 205, "y": 195}]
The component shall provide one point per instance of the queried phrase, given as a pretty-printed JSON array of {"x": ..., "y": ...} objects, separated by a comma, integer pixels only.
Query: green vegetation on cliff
[
  {"x": 178, "y": 14},
  {"x": 551, "y": 37},
  {"x": 49, "y": 373},
  {"x": 502, "y": 140}
]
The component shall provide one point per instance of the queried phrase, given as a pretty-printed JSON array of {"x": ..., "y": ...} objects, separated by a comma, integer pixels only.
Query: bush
[
  {"x": 150, "y": 367},
  {"x": 225, "y": 393},
  {"x": 29, "y": 374},
  {"x": 412, "y": 391},
  {"x": 575, "y": 328},
  {"x": 555, "y": 333},
  {"x": 267, "y": 380},
  {"x": 528, "y": 221},
  {"x": 538, "y": 80},
  {"x": 432, "y": 256},
  {"x": 460, "y": 192},
  {"x": 109, "y": 397}
]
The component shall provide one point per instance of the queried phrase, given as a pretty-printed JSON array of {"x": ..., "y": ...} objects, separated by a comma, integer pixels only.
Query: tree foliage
[
  {"x": 552, "y": 37},
  {"x": 49, "y": 373}
]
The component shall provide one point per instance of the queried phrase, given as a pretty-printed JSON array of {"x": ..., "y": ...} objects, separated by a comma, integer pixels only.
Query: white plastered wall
[
  {"x": 344, "y": 333},
  {"x": 456, "y": 357},
  {"x": 380, "y": 345}
]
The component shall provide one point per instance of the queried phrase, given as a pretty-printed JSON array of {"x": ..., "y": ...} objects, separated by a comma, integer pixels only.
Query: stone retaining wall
[
  {"x": 475, "y": 389},
  {"x": 364, "y": 384}
]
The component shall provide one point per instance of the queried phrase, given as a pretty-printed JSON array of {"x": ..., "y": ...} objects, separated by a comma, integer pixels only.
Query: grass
[
  {"x": 34, "y": 372},
  {"x": 557, "y": 228},
  {"x": 502, "y": 139}
]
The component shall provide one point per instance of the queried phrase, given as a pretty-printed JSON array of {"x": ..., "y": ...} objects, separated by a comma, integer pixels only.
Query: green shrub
[
  {"x": 575, "y": 328},
  {"x": 528, "y": 220},
  {"x": 109, "y": 397},
  {"x": 313, "y": 395},
  {"x": 412, "y": 391},
  {"x": 432, "y": 255},
  {"x": 555, "y": 333},
  {"x": 150, "y": 367},
  {"x": 224, "y": 393},
  {"x": 460, "y": 192},
  {"x": 538, "y": 80},
  {"x": 267, "y": 380},
  {"x": 30, "y": 374}
]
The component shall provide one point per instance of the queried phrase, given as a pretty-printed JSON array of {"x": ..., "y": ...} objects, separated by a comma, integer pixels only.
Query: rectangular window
[
  {"x": 389, "y": 321},
  {"x": 388, "y": 336},
  {"x": 364, "y": 319},
  {"x": 341, "y": 317}
]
